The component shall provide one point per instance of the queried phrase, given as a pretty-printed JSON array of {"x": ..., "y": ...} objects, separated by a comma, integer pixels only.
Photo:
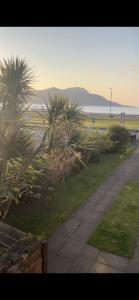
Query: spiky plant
[
  {"x": 16, "y": 80},
  {"x": 63, "y": 134}
]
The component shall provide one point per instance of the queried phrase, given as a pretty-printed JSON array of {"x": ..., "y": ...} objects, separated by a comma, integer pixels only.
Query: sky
[{"x": 94, "y": 58}]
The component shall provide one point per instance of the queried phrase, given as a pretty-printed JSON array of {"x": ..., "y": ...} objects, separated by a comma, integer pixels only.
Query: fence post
[{"x": 44, "y": 256}]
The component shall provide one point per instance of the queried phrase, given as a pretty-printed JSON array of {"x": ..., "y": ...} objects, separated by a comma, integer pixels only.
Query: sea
[{"x": 116, "y": 110}]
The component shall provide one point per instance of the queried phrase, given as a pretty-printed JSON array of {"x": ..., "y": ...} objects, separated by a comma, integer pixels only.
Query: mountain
[{"x": 76, "y": 93}]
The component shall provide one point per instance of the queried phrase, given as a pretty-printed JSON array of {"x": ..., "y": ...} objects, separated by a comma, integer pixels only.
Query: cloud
[
  {"x": 132, "y": 66},
  {"x": 121, "y": 73}
]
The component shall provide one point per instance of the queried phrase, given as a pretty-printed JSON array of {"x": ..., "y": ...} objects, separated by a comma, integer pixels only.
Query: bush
[
  {"x": 96, "y": 143},
  {"x": 19, "y": 144},
  {"x": 120, "y": 137},
  {"x": 102, "y": 141}
]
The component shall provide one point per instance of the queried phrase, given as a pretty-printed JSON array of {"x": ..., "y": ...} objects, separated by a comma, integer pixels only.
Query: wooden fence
[{"x": 24, "y": 254}]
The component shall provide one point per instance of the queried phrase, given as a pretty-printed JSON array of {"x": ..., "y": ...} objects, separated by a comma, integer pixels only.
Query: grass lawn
[
  {"x": 118, "y": 230},
  {"x": 106, "y": 121},
  {"x": 44, "y": 216},
  {"x": 101, "y": 121}
]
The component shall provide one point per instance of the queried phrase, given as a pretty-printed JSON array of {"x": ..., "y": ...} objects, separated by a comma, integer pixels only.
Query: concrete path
[{"x": 68, "y": 251}]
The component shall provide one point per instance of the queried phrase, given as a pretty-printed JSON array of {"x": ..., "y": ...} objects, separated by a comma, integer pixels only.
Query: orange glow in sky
[{"x": 94, "y": 58}]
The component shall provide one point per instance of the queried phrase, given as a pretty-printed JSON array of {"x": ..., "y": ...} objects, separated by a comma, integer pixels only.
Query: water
[
  {"x": 114, "y": 110},
  {"x": 104, "y": 109}
]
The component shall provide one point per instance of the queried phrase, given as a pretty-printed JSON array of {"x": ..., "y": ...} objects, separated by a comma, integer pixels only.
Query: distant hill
[{"x": 76, "y": 93}]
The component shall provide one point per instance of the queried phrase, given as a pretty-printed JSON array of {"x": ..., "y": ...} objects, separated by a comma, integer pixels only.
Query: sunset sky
[{"x": 95, "y": 58}]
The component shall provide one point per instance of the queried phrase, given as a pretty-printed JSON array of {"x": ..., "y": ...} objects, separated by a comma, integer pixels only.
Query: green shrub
[
  {"x": 102, "y": 141},
  {"x": 120, "y": 137},
  {"x": 94, "y": 144}
]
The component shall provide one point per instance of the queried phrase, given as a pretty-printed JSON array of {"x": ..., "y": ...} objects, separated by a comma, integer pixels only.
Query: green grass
[
  {"x": 106, "y": 122},
  {"x": 118, "y": 230},
  {"x": 101, "y": 121},
  {"x": 43, "y": 217}
]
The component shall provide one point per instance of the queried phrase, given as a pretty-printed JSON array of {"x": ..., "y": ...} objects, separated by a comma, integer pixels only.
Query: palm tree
[
  {"x": 16, "y": 80},
  {"x": 59, "y": 113},
  {"x": 62, "y": 131}
]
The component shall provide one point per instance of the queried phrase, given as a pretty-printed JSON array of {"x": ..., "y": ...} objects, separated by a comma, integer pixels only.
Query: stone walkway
[{"x": 68, "y": 251}]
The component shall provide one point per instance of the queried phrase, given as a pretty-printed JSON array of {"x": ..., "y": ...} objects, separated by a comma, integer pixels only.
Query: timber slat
[
  {"x": 6, "y": 240},
  {"x": 11, "y": 231}
]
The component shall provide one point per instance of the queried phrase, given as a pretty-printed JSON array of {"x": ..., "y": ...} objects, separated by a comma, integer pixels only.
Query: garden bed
[{"x": 44, "y": 216}]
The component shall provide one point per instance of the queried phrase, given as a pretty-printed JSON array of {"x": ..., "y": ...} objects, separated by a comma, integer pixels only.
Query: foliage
[
  {"x": 16, "y": 80},
  {"x": 65, "y": 145},
  {"x": 59, "y": 109},
  {"x": 62, "y": 136},
  {"x": 94, "y": 144},
  {"x": 19, "y": 144},
  {"x": 120, "y": 137},
  {"x": 15, "y": 85},
  {"x": 43, "y": 217}
]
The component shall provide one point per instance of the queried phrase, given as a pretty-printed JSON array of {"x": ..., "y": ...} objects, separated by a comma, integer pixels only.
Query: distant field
[
  {"x": 106, "y": 121},
  {"x": 101, "y": 121}
]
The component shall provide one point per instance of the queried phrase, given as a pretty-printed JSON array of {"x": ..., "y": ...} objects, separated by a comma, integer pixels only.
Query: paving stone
[
  {"x": 59, "y": 265},
  {"x": 110, "y": 195},
  {"x": 81, "y": 265},
  {"x": 101, "y": 268},
  {"x": 87, "y": 215},
  {"x": 71, "y": 249},
  {"x": 100, "y": 193},
  {"x": 111, "y": 181},
  {"x": 82, "y": 232},
  {"x": 90, "y": 251},
  {"x": 69, "y": 226},
  {"x": 116, "y": 187},
  {"x": 102, "y": 190},
  {"x": 96, "y": 198},
  {"x": 50, "y": 254},
  {"x": 104, "y": 186},
  {"x": 91, "y": 217},
  {"x": 79, "y": 213},
  {"x": 133, "y": 267},
  {"x": 107, "y": 199},
  {"x": 67, "y": 248},
  {"x": 100, "y": 208},
  {"x": 112, "y": 260},
  {"x": 89, "y": 205},
  {"x": 56, "y": 241},
  {"x": 129, "y": 171}
]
